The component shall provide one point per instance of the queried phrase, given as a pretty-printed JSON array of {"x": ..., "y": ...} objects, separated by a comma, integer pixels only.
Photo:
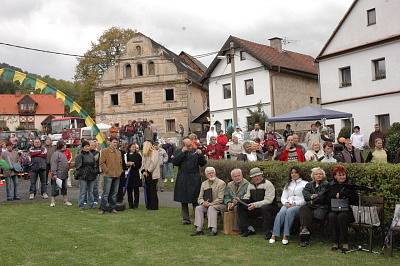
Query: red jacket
[
  {"x": 214, "y": 151},
  {"x": 285, "y": 155}
]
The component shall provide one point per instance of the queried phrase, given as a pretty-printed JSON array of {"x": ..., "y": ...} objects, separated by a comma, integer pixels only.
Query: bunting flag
[{"x": 8, "y": 74}]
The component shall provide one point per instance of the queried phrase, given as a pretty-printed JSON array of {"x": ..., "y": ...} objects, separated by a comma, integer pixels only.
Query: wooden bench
[{"x": 380, "y": 204}]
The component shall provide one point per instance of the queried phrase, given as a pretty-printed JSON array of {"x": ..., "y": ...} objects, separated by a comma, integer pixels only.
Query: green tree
[
  {"x": 256, "y": 116},
  {"x": 101, "y": 55}
]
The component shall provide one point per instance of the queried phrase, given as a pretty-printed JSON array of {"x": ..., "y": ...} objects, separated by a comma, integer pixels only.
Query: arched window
[
  {"x": 128, "y": 71},
  {"x": 151, "y": 67},
  {"x": 139, "y": 69},
  {"x": 138, "y": 50}
]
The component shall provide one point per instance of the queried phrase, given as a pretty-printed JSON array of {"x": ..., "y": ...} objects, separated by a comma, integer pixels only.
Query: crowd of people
[
  {"x": 258, "y": 199},
  {"x": 319, "y": 145},
  {"x": 134, "y": 159}
]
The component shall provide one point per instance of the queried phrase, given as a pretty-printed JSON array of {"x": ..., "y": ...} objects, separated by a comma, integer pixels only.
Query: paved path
[{"x": 165, "y": 198}]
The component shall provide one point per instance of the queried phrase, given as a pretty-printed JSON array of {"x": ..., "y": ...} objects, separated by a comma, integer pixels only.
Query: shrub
[
  {"x": 393, "y": 138},
  {"x": 383, "y": 177}
]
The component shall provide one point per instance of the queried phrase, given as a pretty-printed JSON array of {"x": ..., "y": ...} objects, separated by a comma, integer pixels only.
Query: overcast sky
[{"x": 193, "y": 26}]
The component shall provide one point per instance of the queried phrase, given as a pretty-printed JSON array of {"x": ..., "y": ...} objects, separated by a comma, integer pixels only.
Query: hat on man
[
  {"x": 255, "y": 172},
  {"x": 237, "y": 127}
]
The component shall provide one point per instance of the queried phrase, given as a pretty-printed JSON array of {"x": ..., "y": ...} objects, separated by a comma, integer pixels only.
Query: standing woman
[
  {"x": 85, "y": 165},
  {"x": 379, "y": 154},
  {"x": 292, "y": 199},
  {"x": 151, "y": 173},
  {"x": 134, "y": 163},
  {"x": 59, "y": 169},
  {"x": 339, "y": 221}
]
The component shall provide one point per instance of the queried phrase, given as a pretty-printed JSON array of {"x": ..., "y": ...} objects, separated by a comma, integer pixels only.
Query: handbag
[
  {"x": 229, "y": 219},
  {"x": 367, "y": 214},
  {"x": 339, "y": 205}
]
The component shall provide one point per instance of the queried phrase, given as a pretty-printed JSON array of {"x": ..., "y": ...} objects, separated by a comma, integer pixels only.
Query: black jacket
[
  {"x": 133, "y": 174},
  {"x": 85, "y": 165},
  {"x": 345, "y": 192},
  {"x": 320, "y": 200},
  {"x": 188, "y": 179}
]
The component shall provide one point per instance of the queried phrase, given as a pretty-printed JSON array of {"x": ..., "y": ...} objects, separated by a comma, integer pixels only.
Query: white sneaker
[
  {"x": 52, "y": 204},
  {"x": 165, "y": 180},
  {"x": 285, "y": 241},
  {"x": 67, "y": 203},
  {"x": 45, "y": 196},
  {"x": 172, "y": 180},
  {"x": 271, "y": 241},
  {"x": 31, "y": 196}
]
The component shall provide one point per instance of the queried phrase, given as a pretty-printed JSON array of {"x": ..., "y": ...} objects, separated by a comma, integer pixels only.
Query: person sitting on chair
[
  {"x": 234, "y": 191},
  {"x": 210, "y": 201},
  {"x": 259, "y": 200},
  {"x": 316, "y": 207}
]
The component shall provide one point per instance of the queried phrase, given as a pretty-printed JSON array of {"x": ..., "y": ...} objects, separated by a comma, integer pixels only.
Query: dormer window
[{"x": 27, "y": 107}]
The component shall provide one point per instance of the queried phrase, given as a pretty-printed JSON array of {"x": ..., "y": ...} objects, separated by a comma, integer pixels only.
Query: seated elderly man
[
  {"x": 210, "y": 201},
  {"x": 259, "y": 200},
  {"x": 235, "y": 190}
]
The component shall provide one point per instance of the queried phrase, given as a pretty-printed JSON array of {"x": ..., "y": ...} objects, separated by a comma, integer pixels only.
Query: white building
[
  {"x": 359, "y": 65},
  {"x": 281, "y": 80}
]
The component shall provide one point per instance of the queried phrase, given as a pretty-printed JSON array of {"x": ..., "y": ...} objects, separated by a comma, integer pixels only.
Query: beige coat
[
  {"x": 269, "y": 196},
  {"x": 152, "y": 164},
  {"x": 218, "y": 190},
  {"x": 111, "y": 162}
]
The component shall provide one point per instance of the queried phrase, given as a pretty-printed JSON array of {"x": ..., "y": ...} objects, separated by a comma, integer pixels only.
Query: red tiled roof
[
  {"x": 46, "y": 104},
  {"x": 272, "y": 57}
]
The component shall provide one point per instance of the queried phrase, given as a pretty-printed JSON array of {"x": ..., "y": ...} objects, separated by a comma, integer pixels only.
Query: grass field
[{"x": 35, "y": 234}]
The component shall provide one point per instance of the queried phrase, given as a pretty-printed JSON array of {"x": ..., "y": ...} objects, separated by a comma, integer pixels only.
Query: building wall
[
  {"x": 293, "y": 92},
  {"x": 153, "y": 86},
  {"x": 243, "y": 113},
  {"x": 354, "y": 30},
  {"x": 12, "y": 121},
  {"x": 365, "y": 112},
  {"x": 362, "y": 82},
  {"x": 220, "y": 108}
]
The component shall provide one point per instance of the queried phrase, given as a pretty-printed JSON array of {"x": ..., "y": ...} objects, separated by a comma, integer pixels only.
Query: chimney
[
  {"x": 276, "y": 43},
  {"x": 17, "y": 93}
]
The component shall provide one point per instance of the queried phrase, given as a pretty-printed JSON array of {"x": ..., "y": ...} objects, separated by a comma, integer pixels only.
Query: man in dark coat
[{"x": 188, "y": 180}]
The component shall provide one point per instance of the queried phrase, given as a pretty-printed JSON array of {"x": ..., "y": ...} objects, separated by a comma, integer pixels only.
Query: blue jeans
[
  {"x": 43, "y": 186},
  {"x": 285, "y": 218},
  {"x": 14, "y": 180},
  {"x": 85, "y": 189},
  {"x": 169, "y": 169},
  {"x": 109, "y": 197},
  {"x": 96, "y": 189}
]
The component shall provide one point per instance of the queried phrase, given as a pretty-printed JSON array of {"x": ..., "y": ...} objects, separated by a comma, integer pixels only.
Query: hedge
[{"x": 384, "y": 177}]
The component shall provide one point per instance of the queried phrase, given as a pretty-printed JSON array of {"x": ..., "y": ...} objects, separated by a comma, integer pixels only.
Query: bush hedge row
[{"x": 384, "y": 177}]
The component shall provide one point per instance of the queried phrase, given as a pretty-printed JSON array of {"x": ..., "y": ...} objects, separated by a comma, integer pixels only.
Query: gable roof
[
  {"x": 270, "y": 57},
  {"x": 181, "y": 65},
  {"x": 26, "y": 99},
  {"x": 337, "y": 28},
  {"x": 46, "y": 104}
]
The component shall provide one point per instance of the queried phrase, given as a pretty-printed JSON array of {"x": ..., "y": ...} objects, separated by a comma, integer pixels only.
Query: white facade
[
  {"x": 250, "y": 68},
  {"x": 367, "y": 98}
]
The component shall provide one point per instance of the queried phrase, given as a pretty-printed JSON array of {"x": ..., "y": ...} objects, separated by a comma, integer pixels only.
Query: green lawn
[{"x": 35, "y": 234}]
